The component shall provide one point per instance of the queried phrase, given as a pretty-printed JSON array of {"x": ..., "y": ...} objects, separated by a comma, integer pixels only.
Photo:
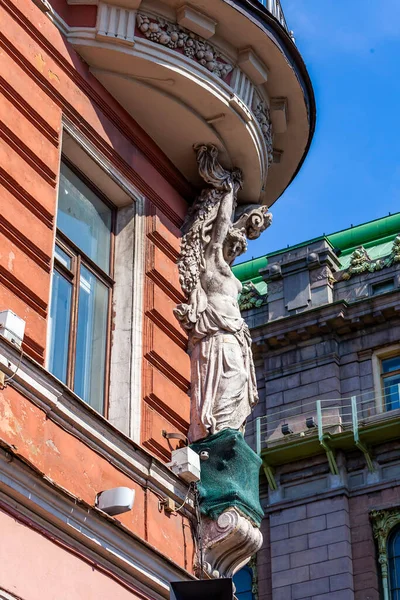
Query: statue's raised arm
[{"x": 223, "y": 386}]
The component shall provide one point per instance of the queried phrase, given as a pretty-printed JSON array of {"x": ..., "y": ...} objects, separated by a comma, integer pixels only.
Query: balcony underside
[
  {"x": 225, "y": 90},
  {"x": 379, "y": 430}
]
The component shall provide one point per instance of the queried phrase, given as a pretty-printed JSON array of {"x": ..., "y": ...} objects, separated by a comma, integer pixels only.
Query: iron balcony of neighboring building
[
  {"x": 362, "y": 421},
  {"x": 215, "y": 71}
]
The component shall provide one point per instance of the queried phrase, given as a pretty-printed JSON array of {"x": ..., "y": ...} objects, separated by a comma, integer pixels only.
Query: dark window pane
[
  {"x": 91, "y": 340},
  {"x": 394, "y": 563},
  {"x": 391, "y": 364},
  {"x": 60, "y": 318},
  {"x": 382, "y": 287},
  {"x": 84, "y": 218},
  {"x": 243, "y": 581}
]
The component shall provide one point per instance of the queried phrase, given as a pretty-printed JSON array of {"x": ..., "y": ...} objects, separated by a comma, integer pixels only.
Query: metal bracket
[
  {"x": 323, "y": 441},
  {"x": 269, "y": 474},
  {"x": 330, "y": 455},
  {"x": 360, "y": 445}
]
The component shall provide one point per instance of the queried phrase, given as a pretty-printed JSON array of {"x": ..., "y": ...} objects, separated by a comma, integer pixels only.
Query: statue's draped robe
[{"x": 224, "y": 389}]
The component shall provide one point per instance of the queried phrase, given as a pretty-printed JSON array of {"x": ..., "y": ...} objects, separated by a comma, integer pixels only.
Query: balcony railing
[
  {"x": 294, "y": 433},
  {"x": 275, "y": 8}
]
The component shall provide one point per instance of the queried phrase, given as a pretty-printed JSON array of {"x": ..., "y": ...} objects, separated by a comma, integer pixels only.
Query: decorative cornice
[
  {"x": 360, "y": 261},
  {"x": 189, "y": 44},
  {"x": 85, "y": 530},
  {"x": 340, "y": 317},
  {"x": 76, "y": 417},
  {"x": 133, "y": 132}
]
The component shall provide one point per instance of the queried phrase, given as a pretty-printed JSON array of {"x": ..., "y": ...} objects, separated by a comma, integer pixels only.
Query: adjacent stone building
[{"x": 325, "y": 321}]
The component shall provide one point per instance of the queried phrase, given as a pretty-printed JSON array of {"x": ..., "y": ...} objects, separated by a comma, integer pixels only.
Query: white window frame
[
  {"x": 377, "y": 357},
  {"x": 124, "y": 409}
]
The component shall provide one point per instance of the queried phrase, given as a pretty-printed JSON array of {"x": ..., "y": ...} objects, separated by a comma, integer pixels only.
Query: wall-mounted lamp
[
  {"x": 310, "y": 423},
  {"x": 115, "y": 501},
  {"x": 286, "y": 429}
]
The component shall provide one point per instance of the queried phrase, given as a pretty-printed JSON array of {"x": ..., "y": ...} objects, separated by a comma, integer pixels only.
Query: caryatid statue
[{"x": 223, "y": 383}]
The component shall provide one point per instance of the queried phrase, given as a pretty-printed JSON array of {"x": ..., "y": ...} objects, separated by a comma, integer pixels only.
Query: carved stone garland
[
  {"x": 262, "y": 114},
  {"x": 360, "y": 261},
  {"x": 383, "y": 521},
  {"x": 250, "y": 297},
  {"x": 173, "y": 36},
  {"x": 221, "y": 401}
]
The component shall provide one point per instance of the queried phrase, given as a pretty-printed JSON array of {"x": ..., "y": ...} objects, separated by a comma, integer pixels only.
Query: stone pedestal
[{"x": 229, "y": 502}]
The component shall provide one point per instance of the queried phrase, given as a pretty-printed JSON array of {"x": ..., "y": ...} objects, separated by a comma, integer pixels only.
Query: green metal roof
[{"x": 376, "y": 237}]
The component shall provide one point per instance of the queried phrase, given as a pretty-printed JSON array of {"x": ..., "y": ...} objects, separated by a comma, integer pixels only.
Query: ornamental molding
[
  {"x": 170, "y": 35},
  {"x": 262, "y": 115},
  {"x": 360, "y": 261},
  {"x": 250, "y": 297},
  {"x": 383, "y": 522},
  {"x": 99, "y": 537},
  {"x": 229, "y": 543},
  {"x": 76, "y": 417}
]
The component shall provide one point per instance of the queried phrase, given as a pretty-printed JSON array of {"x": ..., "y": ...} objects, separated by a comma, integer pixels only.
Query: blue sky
[{"x": 352, "y": 172}]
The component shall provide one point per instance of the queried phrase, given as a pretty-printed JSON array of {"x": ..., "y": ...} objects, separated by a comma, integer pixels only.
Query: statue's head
[{"x": 235, "y": 244}]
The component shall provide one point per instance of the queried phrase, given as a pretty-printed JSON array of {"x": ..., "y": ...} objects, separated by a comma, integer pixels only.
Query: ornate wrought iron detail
[
  {"x": 177, "y": 38},
  {"x": 360, "y": 261}
]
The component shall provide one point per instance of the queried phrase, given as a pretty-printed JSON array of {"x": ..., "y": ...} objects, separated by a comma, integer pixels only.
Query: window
[
  {"x": 390, "y": 375},
  {"x": 394, "y": 563},
  {"x": 382, "y": 287},
  {"x": 243, "y": 581},
  {"x": 81, "y": 289}
]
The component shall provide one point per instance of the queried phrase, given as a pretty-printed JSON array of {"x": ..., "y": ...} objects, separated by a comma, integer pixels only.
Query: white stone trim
[
  {"x": 6, "y": 596},
  {"x": 99, "y": 158},
  {"x": 377, "y": 357},
  {"x": 117, "y": 23},
  {"x": 99, "y": 537},
  {"x": 130, "y": 275},
  {"x": 77, "y": 418},
  {"x": 137, "y": 321}
]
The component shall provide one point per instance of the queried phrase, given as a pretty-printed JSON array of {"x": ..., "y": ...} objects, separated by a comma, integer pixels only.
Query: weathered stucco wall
[
  {"x": 42, "y": 81},
  {"x": 37, "y": 568}
]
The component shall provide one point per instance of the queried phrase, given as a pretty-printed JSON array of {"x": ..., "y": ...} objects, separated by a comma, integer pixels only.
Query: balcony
[
  {"x": 288, "y": 434},
  {"x": 219, "y": 71},
  {"x": 275, "y": 8}
]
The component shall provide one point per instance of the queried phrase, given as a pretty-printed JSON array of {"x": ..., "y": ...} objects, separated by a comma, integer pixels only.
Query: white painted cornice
[
  {"x": 67, "y": 410},
  {"x": 91, "y": 532}
]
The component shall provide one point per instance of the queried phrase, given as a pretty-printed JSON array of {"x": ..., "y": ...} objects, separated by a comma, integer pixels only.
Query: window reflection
[
  {"x": 81, "y": 290},
  {"x": 84, "y": 218},
  {"x": 391, "y": 382},
  {"x": 394, "y": 563},
  {"x": 60, "y": 319},
  {"x": 91, "y": 339}
]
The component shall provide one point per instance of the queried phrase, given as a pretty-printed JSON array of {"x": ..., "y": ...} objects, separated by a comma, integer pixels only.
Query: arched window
[
  {"x": 394, "y": 563},
  {"x": 243, "y": 581}
]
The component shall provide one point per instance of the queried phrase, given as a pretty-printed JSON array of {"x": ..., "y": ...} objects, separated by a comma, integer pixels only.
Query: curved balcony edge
[{"x": 265, "y": 18}]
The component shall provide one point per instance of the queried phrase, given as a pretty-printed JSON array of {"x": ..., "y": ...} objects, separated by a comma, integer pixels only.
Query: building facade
[
  {"x": 101, "y": 104},
  {"x": 325, "y": 326}
]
